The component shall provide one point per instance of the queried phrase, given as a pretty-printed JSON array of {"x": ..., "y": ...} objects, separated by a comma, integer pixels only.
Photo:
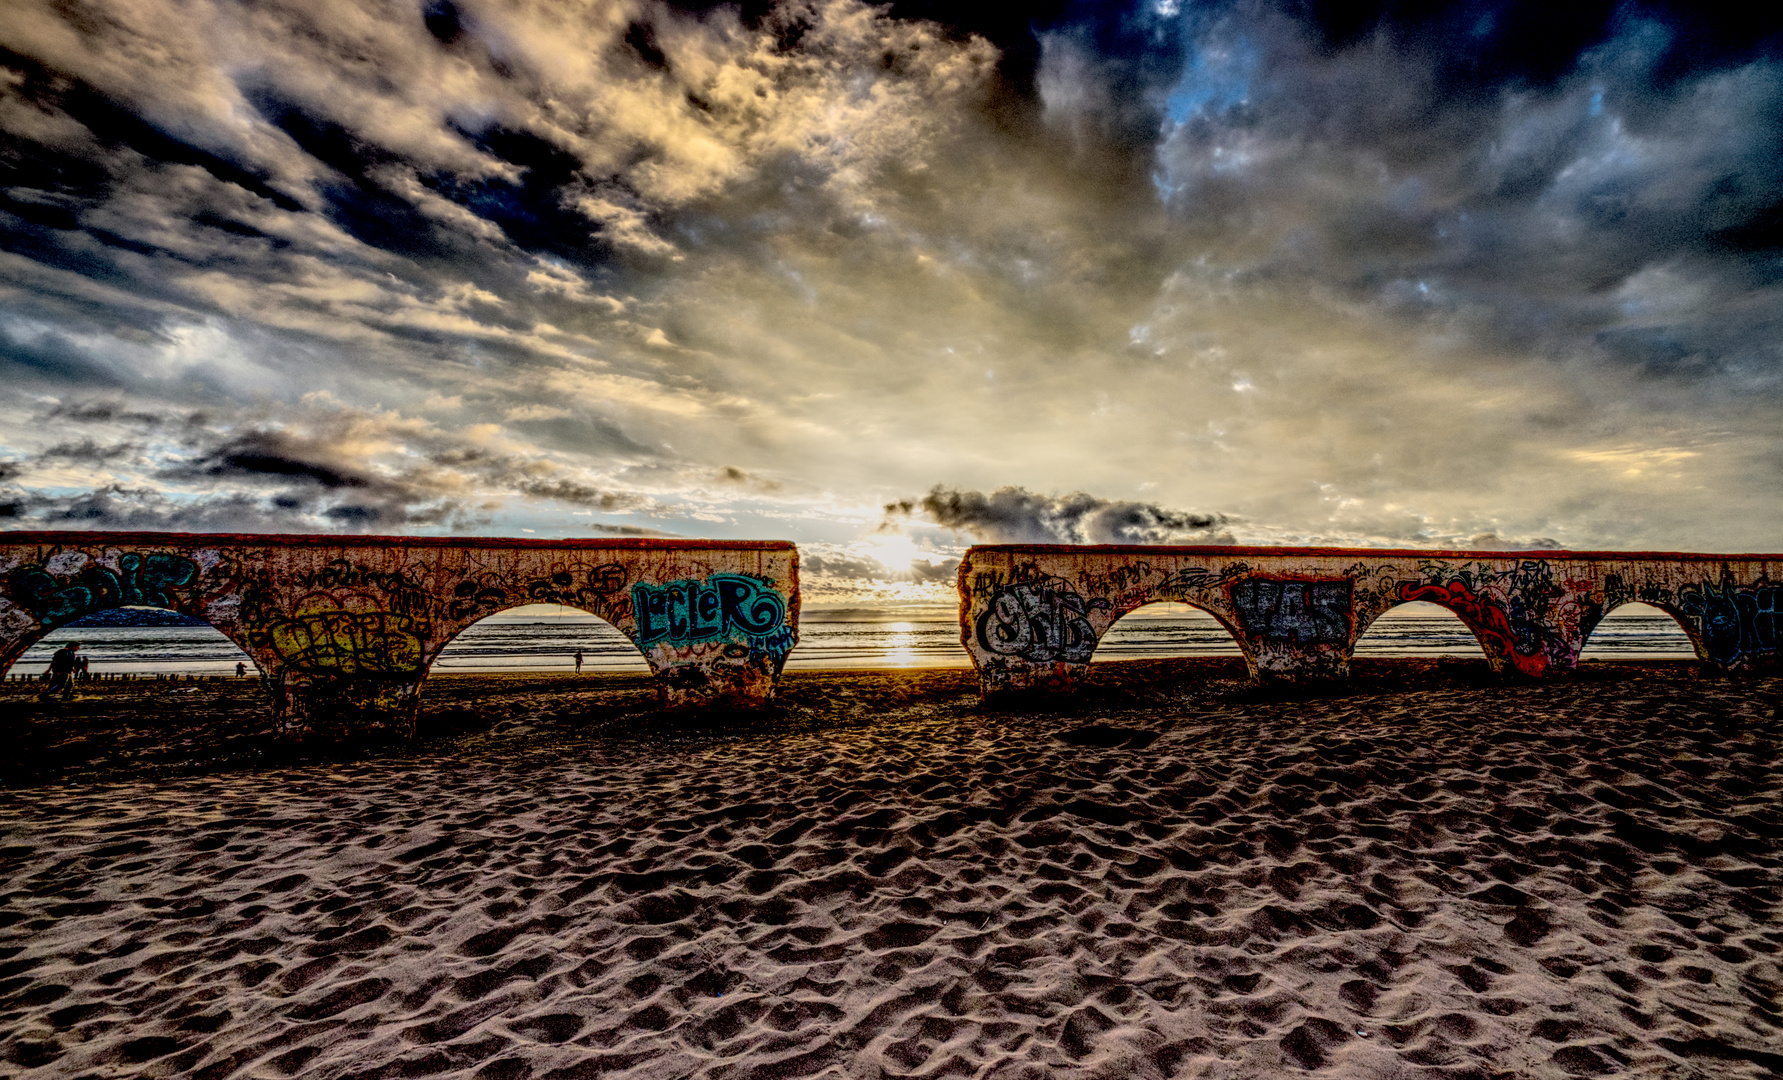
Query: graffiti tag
[
  {"x": 1735, "y": 623},
  {"x": 1617, "y": 593},
  {"x": 1196, "y": 580},
  {"x": 724, "y": 606},
  {"x": 139, "y": 581},
  {"x": 403, "y": 595},
  {"x": 1303, "y": 612},
  {"x": 336, "y": 641},
  {"x": 600, "y": 590},
  {"x": 1040, "y": 621},
  {"x": 1115, "y": 580}
]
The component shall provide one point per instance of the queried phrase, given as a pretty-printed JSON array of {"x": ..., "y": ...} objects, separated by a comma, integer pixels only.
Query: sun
[{"x": 895, "y": 552}]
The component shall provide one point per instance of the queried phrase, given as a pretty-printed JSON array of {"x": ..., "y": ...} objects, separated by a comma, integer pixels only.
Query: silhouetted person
[
  {"x": 241, "y": 670},
  {"x": 62, "y": 666},
  {"x": 578, "y": 661},
  {"x": 80, "y": 668}
]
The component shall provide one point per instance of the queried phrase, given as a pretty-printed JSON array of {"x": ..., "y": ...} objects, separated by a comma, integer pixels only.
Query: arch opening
[
  {"x": 856, "y": 638},
  {"x": 1418, "y": 628},
  {"x": 141, "y": 642},
  {"x": 1165, "y": 629},
  {"x": 1637, "y": 631},
  {"x": 535, "y": 638}
]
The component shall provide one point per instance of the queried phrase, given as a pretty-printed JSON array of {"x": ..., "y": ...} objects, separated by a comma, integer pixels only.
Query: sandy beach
[{"x": 1171, "y": 876}]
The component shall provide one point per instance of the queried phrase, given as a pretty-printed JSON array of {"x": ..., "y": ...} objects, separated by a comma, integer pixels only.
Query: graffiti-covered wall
[
  {"x": 344, "y": 629},
  {"x": 1031, "y": 615}
]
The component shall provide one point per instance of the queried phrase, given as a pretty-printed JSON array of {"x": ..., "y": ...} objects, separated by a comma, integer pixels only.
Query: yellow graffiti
[{"x": 348, "y": 643}]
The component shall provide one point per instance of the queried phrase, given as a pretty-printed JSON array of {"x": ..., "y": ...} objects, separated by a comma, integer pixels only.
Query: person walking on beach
[
  {"x": 62, "y": 665},
  {"x": 241, "y": 670},
  {"x": 578, "y": 661},
  {"x": 80, "y": 668}
]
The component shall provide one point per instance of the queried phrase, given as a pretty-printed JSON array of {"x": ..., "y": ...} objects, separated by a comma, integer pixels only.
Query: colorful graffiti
[
  {"x": 322, "y": 639},
  {"x": 345, "y": 630},
  {"x": 723, "y": 607},
  {"x": 1516, "y": 612},
  {"x": 139, "y": 581},
  {"x": 1295, "y": 611},
  {"x": 1484, "y": 618},
  {"x": 1040, "y": 621},
  {"x": 1738, "y": 625},
  {"x": 1029, "y": 612}
]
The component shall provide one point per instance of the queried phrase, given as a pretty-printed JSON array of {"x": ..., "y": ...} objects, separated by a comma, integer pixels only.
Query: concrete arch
[
  {"x": 1364, "y": 628},
  {"x": 1232, "y": 632},
  {"x": 74, "y": 625},
  {"x": 447, "y": 642},
  {"x": 1683, "y": 622},
  {"x": 13, "y": 649}
]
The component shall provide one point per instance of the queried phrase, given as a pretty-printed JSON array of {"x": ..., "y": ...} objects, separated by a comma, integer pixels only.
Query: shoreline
[{"x": 118, "y": 730}]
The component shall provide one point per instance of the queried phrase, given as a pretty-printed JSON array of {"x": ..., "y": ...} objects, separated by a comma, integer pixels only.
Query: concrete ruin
[
  {"x": 1031, "y": 615},
  {"x": 344, "y": 629}
]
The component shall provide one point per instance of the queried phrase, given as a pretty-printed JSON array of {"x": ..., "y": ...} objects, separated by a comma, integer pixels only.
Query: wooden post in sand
[
  {"x": 1032, "y": 614},
  {"x": 344, "y": 629}
]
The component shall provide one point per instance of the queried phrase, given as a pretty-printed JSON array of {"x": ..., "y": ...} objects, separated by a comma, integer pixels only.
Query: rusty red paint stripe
[
  {"x": 1221, "y": 551},
  {"x": 80, "y": 538}
]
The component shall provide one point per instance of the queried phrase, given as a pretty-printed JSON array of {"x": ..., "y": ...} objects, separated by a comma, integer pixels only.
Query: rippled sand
[{"x": 1173, "y": 877}]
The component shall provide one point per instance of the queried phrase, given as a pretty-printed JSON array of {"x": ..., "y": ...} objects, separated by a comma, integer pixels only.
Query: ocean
[{"x": 545, "y": 638}]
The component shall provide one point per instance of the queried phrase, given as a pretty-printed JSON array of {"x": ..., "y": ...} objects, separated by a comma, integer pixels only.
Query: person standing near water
[
  {"x": 578, "y": 661},
  {"x": 62, "y": 666},
  {"x": 241, "y": 669}
]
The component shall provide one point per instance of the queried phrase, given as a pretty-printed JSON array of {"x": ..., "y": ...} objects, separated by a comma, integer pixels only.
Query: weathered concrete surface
[
  {"x": 1031, "y": 615},
  {"x": 345, "y": 628}
]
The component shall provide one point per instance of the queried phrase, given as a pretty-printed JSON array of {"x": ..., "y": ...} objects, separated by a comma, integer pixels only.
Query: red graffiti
[{"x": 1483, "y": 617}]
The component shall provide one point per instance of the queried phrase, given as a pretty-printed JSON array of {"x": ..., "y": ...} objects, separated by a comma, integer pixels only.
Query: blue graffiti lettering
[
  {"x": 1735, "y": 624},
  {"x": 1303, "y": 612},
  {"x": 146, "y": 581},
  {"x": 723, "y": 607}
]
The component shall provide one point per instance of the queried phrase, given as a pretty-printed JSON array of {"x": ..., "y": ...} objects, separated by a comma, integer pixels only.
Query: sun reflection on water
[{"x": 900, "y": 646}]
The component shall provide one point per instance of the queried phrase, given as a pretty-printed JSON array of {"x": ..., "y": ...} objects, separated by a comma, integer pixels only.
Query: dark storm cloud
[
  {"x": 1611, "y": 189},
  {"x": 51, "y": 357},
  {"x": 843, "y": 566},
  {"x": 269, "y": 455},
  {"x": 1494, "y": 542},
  {"x": 943, "y": 571},
  {"x": 89, "y": 451},
  {"x": 116, "y": 507},
  {"x": 417, "y": 487},
  {"x": 854, "y": 568},
  {"x": 99, "y": 412},
  {"x": 1014, "y": 515},
  {"x": 579, "y": 494},
  {"x": 329, "y": 467}
]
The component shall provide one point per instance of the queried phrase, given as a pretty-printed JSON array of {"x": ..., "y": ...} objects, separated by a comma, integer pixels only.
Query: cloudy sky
[{"x": 887, "y": 284}]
